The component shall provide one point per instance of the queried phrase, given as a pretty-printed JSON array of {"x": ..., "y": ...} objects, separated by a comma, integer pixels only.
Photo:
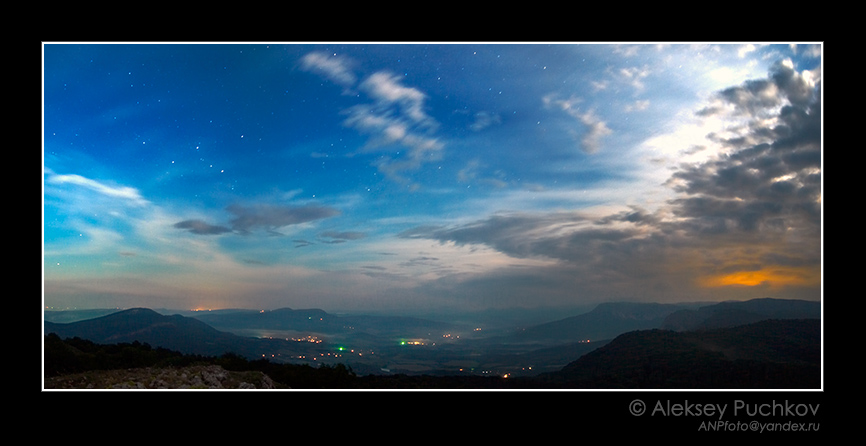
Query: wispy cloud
[
  {"x": 388, "y": 90},
  {"x": 634, "y": 76},
  {"x": 595, "y": 129},
  {"x": 395, "y": 116},
  {"x": 484, "y": 120},
  {"x": 335, "y": 68},
  {"x": 129, "y": 194},
  {"x": 337, "y": 236}
]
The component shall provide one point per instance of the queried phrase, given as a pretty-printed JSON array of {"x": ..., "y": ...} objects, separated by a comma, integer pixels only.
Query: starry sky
[{"x": 429, "y": 176}]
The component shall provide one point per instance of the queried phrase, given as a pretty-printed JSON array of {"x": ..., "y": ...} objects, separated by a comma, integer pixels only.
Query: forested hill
[{"x": 771, "y": 354}]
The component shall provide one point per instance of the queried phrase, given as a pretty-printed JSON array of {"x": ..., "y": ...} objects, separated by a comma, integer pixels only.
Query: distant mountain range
[
  {"x": 730, "y": 314},
  {"x": 606, "y": 321},
  {"x": 632, "y": 344}
]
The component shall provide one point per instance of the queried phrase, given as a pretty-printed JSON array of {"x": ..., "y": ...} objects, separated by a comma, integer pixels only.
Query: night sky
[{"x": 420, "y": 177}]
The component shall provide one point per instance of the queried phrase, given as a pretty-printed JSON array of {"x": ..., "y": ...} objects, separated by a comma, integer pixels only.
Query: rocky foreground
[{"x": 194, "y": 377}]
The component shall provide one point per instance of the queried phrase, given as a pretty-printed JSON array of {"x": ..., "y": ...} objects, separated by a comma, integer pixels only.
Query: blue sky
[{"x": 412, "y": 177}]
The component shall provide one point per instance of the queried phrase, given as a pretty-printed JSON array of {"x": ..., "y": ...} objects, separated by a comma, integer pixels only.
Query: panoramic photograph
[{"x": 506, "y": 216}]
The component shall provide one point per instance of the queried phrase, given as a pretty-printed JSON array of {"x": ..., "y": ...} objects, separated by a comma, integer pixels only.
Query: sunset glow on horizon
[{"x": 773, "y": 277}]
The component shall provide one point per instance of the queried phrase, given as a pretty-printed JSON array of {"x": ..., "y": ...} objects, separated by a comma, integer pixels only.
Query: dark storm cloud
[
  {"x": 201, "y": 228},
  {"x": 772, "y": 177}
]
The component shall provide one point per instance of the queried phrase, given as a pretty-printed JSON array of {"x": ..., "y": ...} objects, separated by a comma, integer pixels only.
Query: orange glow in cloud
[{"x": 766, "y": 276}]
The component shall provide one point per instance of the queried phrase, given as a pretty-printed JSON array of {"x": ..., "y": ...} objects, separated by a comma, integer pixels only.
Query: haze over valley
[{"x": 388, "y": 346}]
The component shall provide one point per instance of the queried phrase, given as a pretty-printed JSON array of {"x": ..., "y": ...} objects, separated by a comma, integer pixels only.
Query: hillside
[
  {"x": 183, "y": 334},
  {"x": 768, "y": 354}
]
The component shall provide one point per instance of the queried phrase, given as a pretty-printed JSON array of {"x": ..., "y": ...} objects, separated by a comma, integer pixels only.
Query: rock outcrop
[{"x": 194, "y": 377}]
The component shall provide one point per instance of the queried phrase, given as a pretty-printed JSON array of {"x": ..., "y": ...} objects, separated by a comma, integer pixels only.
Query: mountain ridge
[
  {"x": 605, "y": 321},
  {"x": 773, "y": 353},
  {"x": 733, "y": 313},
  {"x": 184, "y": 334}
]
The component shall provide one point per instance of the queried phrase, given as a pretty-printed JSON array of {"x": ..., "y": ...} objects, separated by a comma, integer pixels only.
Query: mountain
[
  {"x": 771, "y": 354},
  {"x": 733, "y": 313},
  {"x": 605, "y": 321},
  {"x": 174, "y": 332}
]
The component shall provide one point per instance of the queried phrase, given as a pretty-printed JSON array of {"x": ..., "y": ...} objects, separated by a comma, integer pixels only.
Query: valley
[{"x": 390, "y": 345}]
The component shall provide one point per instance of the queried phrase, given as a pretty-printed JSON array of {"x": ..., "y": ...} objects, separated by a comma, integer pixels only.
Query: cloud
[
  {"x": 340, "y": 237},
  {"x": 577, "y": 257},
  {"x": 748, "y": 217},
  {"x": 335, "y": 68},
  {"x": 266, "y": 217},
  {"x": 639, "y": 105},
  {"x": 271, "y": 218},
  {"x": 130, "y": 194},
  {"x": 484, "y": 120},
  {"x": 386, "y": 88},
  {"x": 201, "y": 228},
  {"x": 634, "y": 76},
  {"x": 745, "y": 50},
  {"x": 758, "y": 203},
  {"x": 387, "y": 129},
  {"x": 518, "y": 234},
  {"x": 470, "y": 173},
  {"x": 757, "y": 97},
  {"x": 100, "y": 215},
  {"x": 395, "y": 115},
  {"x": 594, "y": 128},
  {"x": 770, "y": 175}
]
